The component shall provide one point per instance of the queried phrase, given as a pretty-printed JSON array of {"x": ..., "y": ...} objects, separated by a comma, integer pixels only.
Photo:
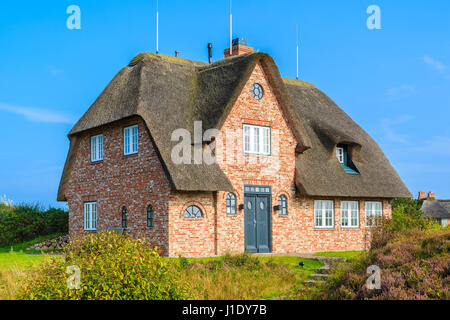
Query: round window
[{"x": 257, "y": 91}]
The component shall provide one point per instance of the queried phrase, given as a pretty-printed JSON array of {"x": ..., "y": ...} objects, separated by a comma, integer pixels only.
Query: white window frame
[
  {"x": 257, "y": 139},
  {"x": 340, "y": 154},
  {"x": 130, "y": 140},
  {"x": 322, "y": 212},
  {"x": 373, "y": 211},
  {"x": 90, "y": 216},
  {"x": 97, "y": 148},
  {"x": 349, "y": 211}
]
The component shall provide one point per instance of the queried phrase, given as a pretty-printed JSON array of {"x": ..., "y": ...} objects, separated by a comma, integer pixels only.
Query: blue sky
[{"x": 394, "y": 82}]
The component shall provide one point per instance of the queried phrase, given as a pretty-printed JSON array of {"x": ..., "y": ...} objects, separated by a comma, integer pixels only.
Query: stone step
[
  {"x": 331, "y": 261},
  {"x": 318, "y": 277},
  {"x": 323, "y": 270}
]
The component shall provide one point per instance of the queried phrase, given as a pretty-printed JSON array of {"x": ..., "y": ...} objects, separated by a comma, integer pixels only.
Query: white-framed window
[
  {"x": 257, "y": 139},
  {"x": 130, "y": 140},
  {"x": 90, "y": 216},
  {"x": 340, "y": 154},
  {"x": 324, "y": 214},
  {"x": 97, "y": 148},
  {"x": 374, "y": 211},
  {"x": 349, "y": 214}
]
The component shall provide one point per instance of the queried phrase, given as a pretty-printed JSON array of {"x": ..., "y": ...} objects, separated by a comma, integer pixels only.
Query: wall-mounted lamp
[
  {"x": 241, "y": 207},
  {"x": 276, "y": 208}
]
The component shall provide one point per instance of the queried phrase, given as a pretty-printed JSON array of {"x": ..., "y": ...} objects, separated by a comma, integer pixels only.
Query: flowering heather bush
[
  {"x": 413, "y": 255},
  {"x": 113, "y": 267}
]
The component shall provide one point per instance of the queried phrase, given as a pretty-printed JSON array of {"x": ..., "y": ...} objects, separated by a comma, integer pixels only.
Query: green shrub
[
  {"x": 23, "y": 223},
  {"x": 113, "y": 267}
]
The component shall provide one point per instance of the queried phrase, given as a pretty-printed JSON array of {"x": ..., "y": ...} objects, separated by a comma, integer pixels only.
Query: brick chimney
[
  {"x": 422, "y": 195},
  {"x": 431, "y": 195},
  {"x": 239, "y": 47}
]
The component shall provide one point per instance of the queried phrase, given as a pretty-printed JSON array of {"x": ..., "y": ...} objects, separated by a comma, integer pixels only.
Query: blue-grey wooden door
[{"x": 257, "y": 223}]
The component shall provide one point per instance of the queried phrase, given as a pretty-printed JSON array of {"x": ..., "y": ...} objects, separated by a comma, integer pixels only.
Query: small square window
[{"x": 323, "y": 214}]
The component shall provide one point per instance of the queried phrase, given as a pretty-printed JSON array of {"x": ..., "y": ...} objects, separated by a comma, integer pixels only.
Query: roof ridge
[
  {"x": 298, "y": 82},
  {"x": 143, "y": 55}
]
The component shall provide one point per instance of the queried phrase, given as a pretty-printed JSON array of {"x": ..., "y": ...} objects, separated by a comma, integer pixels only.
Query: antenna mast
[
  {"x": 297, "y": 51},
  {"x": 231, "y": 27},
  {"x": 157, "y": 27}
]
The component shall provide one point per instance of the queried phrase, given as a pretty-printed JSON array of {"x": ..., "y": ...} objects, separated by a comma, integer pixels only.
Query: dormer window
[{"x": 344, "y": 158}]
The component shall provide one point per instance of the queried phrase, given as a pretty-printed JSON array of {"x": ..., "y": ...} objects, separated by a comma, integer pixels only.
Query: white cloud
[
  {"x": 37, "y": 115},
  {"x": 391, "y": 133},
  {"x": 403, "y": 91},
  {"x": 435, "y": 64}
]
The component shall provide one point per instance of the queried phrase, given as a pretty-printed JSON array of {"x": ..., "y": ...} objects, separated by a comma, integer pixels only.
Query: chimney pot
[
  {"x": 422, "y": 195},
  {"x": 431, "y": 195},
  {"x": 239, "y": 47}
]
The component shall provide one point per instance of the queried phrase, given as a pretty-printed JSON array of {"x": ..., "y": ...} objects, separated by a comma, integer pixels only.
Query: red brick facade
[{"x": 139, "y": 180}]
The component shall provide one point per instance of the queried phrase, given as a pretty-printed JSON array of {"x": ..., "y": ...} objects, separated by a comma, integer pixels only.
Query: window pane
[
  {"x": 266, "y": 141},
  {"x": 256, "y": 139},
  {"x": 100, "y": 147},
  {"x": 135, "y": 139},
  {"x": 126, "y": 141},
  {"x": 246, "y": 138}
]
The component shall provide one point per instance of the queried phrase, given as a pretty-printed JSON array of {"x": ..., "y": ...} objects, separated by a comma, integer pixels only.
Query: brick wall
[{"x": 132, "y": 181}]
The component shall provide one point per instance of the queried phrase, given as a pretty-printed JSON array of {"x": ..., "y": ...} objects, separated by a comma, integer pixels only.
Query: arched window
[
  {"x": 124, "y": 218},
  {"x": 282, "y": 203},
  {"x": 193, "y": 212},
  {"x": 150, "y": 216},
  {"x": 231, "y": 204}
]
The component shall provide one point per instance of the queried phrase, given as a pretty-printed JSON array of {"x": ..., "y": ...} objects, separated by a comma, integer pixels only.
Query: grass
[
  {"x": 349, "y": 255},
  {"x": 15, "y": 261},
  {"x": 247, "y": 277},
  {"x": 242, "y": 276},
  {"x": 13, "y": 266}
]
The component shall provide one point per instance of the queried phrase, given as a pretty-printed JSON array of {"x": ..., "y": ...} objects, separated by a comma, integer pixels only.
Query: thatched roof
[
  {"x": 170, "y": 93},
  {"x": 317, "y": 171},
  {"x": 438, "y": 209}
]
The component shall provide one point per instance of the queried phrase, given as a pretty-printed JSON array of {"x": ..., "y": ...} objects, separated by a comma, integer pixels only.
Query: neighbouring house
[
  {"x": 438, "y": 210},
  {"x": 284, "y": 169}
]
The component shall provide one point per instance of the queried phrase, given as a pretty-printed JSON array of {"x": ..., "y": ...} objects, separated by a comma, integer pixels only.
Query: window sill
[
  {"x": 96, "y": 162},
  {"x": 131, "y": 154},
  {"x": 324, "y": 228},
  {"x": 351, "y": 228}
]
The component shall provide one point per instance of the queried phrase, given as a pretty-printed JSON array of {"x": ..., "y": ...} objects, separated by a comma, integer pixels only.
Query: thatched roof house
[
  {"x": 170, "y": 93},
  {"x": 294, "y": 174},
  {"x": 438, "y": 210}
]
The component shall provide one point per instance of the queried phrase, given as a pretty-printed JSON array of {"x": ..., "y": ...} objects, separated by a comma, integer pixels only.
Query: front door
[{"x": 257, "y": 221}]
